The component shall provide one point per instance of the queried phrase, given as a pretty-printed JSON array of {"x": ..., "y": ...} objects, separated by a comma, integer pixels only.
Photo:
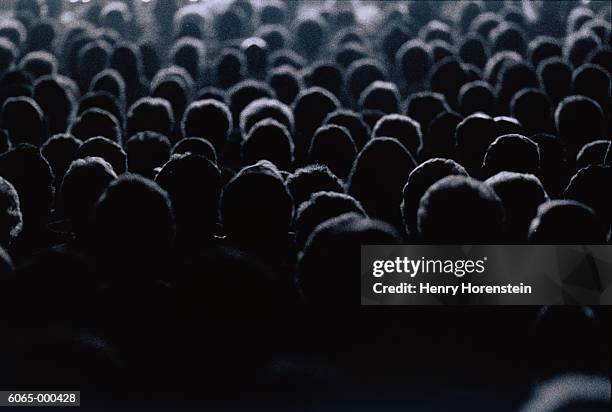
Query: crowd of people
[{"x": 184, "y": 187}]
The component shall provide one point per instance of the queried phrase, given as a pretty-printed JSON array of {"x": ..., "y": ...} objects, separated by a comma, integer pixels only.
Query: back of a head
[
  {"x": 59, "y": 150},
  {"x": 521, "y": 195},
  {"x": 593, "y": 153},
  {"x": 381, "y": 160},
  {"x": 477, "y": 96},
  {"x": 476, "y": 216},
  {"x": 593, "y": 81},
  {"x": 543, "y": 47},
  {"x": 103, "y": 101},
  {"x": 209, "y": 119},
  {"x": 194, "y": 185},
  {"x": 328, "y": 270},
  {"x": 360, "y": 74},
  {"x": 150, "y": 114},
  {"x": 96, "y": 122},
  {"x": 414, "y": 59},
  {"x": 320, "y": 207},
  {"x": 555, "y": 77},
  {"x": 256, "y": 205},
  {"x": 420, "y": 179},
  {"x": 328, "y": 76},
  {"x": 511, "y": 152},
  {"x": 147, "y": 151},
  {"x": 286, "y": 83},
  {"x": 107, "y": 150},
  {"x": 32, "y": 177},
  {"x": 333, "y": 146},
  {"x": 132, "y": 222},
  {"x": 268, "y": 140},
  {"x": 81, "y": 187},
  {"x": 379, "y": 95},
  {"x": 591, "y": 186},
  {"x": 353, "y": 122},
  {"x": 55, "y": 102},
  {"x": 424, "y": 107},
  {"x": 473, "y": 136},
  {"x": 447, "y": 77},
  {"x": 566, "y": 222},
  {"x": 406, "y": 130},
  {"x": 24, "y": 120},
  {"x": 578, "y": 120},
  {"x": 244, "y": 93},
  {"x": 196, "y": 146},
  {"x": 265, "y": 108},
  {"x": 311, "y": 179},
  {"x": 532, "y": 109}
]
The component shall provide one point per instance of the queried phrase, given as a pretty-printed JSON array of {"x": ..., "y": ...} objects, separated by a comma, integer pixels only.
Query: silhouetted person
[
  {"x": 555, "y": 77},
  {"x": 543, "y": 47},
  {"x": 262, "y": 109},
  {"x": 406, "y": 130},
  {"x": 82, "y": 185},
  {"x": 353, "y": 122},
  {"x": 96, "y": 122},
  {"x": 268, "y": 140},
  {"x": 102, "y": 101},
  {"x": 286, "y": 83},
  {"x": 579, "y": 120},
  {"x": 209, "y": 119},
  {"x": 419, "y": 180},
  {"x": 477, "y": 96},
  {"x": 380, "y": 95},
  {"x": 593, "y": 153},
  {"x": 196, "y": 146},
  {"x": 11, "y": 220},
  {"x": 475, "y": 217},
  {"x": 590, "y": 185},
  {"x": 333, "y": 147},
  {"x": 360, "y": 74},
  {"x": 513, "y": 153},
  {"x": 446, "y": 77},
  {"x": 569, "y": 222},
  {"x": 24, "y": 120},
  {"x": 55, "y": 102},
  {"x": 147, "y": 151},
  {"x": 381, "y": 160},
  {"x": 150, "y": 114},
  {"x": 532, "y": 109},
  {"x": 230, "y": 68},
  {"x": 59, "y": 150},
  {"x": 107, "y": 150},
  {"x": 110, "y": 81},
  {"x": 194, "y": 185},
  {"x": 521, "y": 195},
  {"x": 473, "y": 137},
  {"x": 245, "y": 92},
  {"x": 311, "y": 179},
  {"x": 325, "y": 274}
]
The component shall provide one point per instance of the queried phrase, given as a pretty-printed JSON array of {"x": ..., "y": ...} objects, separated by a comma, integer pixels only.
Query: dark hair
[
  {"x": 477, "y": 96},
  {"x": 152, "y": 114},
  {"x": 533, "y": 110},
  {"x": 311, "y": 179},
  {"x": 55, "y": 102},
  {"x": 107, "y": 150},
  {"x": 406, "y": 130},
  {"x": 476, "y": 215},
  {"x": 94, "y": 123},
  {"x": 11, "y": 220},
  {"x": 262, "y": 109},
  {"x": 59, "y": 150},
  {"x": 195, "y": 146},
  {"x": 576, "y": 133},
  {"x": 473, "y": 136},
  {"x": 333, "y": 146},
  {"x": 286, "y": 83},
  {"x": 511, "y": 152},
  {"x": 353, "y": 122},
  {"x": 146, "y": 152},
  {"x": 209, "y": 119},
  {"x": 24, "y": 121},
  {"x": 379, "y": 95},
  {"x": 268, "y": 140}
]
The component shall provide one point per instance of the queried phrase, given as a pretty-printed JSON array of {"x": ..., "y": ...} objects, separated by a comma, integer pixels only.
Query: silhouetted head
[
  {"x": 459, "y": 209},
  {"x": 30, "y": 174},
  {"x": 287, "y": 57},
  {"x": 230, "y": 24},
  {"x": 262, "y": 109},
  {"x": 38, "y": 64},
  {"x": 256, "y": 53},
  {"x": 127, "y": 61},
  {"x": 96, "y": 122},
  {"x": 382, "y": 96},
  {"x": 592, "y": 81},
  {"x": 555, "y": 77},
  {"x": 103, "y": 101},
  {"x": 440, "y": 140},
  {"x": 11, "y": 220},
  {"x": 286, "y": 83},
  {"x": 473, "y": 137},
  {"x": 92, "y": 58},
  {"x": 521, "y": 194},
  {"x": 110, "y": 81},
  {"x": 508, "y": 36},
  {"x": 310, "y": 36},
  {"x": 419, "y": 180},
  {"x": 590, "y": 187},
  {"x": 194, "y": 186},
  {"x": 146, "y": 152},
  {"x": 326, "y": 75},
  {"x": 393, "y": 39},
  {"x": 328, "y": 269},
  {"x": 406, "y": 130},
  {"x": 276, "y": 36},
  {"x": 578, "y": 46},
  {"x": 477, "y": 96},
  {"x": 55, "y": 102},
  {"x": 311, "y": 179},
  {"x": 230, "y": 67},
  {"x": 320, "y": 207},
  {"x": 244, "y": 93},
  {"x": 544, "y": 47},
  {"x": 256, "y": 206},
  {"x": 25, "y": 122},
  {"x": 174, "y": 91},
  {"x": 362, "y": 73},
  {"x": 579, "y": 120},
  {"x": 601, "y": 56},
  {"x": 353, "y": 122},
  {"x": 473, "y": 49},
  {"x": 310, "y": 108},
  {"x": 107, "y": 150},
  {"x": 381, "y": 160},
  {"x": 446, "y": 77},
  {"x": 133, "y": 226},
  {"x": 188, "y": 53},
  {"x": 333, "y": 147},
  {"x": 8, "y": 53},
  {"x": 196, "y": 146},
  {"x": 59, "y": 150},
  {"x": 569, "y": 222},
  {"x": 81, "y": 188},
  {"x": 349, "y": 53},
  {"x": 209, "y": 119},
  {"x": 511, "y": 79},
  {"x": 268, "y": 140},
  {"x": 513, "y": 153},
  {"x": 424, "y": 107},
  {"x": 150, "y": 114},
  {"x": 497, "y": 62},
  {"x": 532, "y": 109}
]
